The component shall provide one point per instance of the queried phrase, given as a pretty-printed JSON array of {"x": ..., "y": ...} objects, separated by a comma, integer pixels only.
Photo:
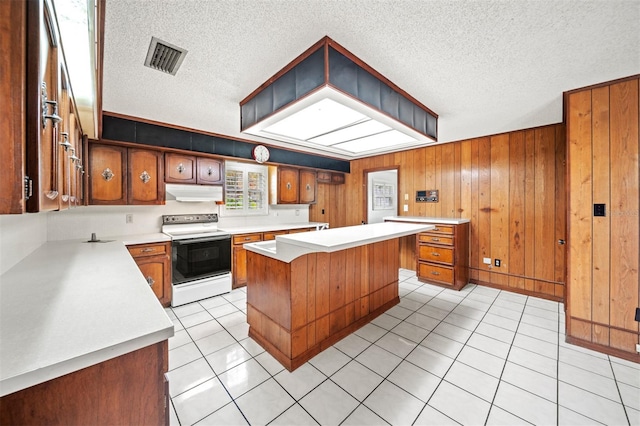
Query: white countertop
[
  {"x": 72, "y": 304},
  {"x": 288, "y": 247},
  {"x": 423, "y": 219},
  {"x": 269, "y": 228}
]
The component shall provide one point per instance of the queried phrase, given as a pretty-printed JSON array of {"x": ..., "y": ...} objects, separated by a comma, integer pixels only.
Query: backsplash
[
  {"x": 111, "y": 220},
  {"x": 20, "y": 235}
]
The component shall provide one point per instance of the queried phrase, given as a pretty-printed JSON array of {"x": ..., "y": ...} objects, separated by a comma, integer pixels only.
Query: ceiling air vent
[{"x": 164, "y": 57}]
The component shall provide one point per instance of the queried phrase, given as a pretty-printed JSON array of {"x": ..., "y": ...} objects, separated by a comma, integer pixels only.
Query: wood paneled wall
[
  {"x": 603, "y": 257},
  {"x": 511, "y": 186}
]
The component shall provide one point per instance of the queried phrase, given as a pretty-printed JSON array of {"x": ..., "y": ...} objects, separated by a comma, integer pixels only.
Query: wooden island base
[{"x": 295, "y": 310}]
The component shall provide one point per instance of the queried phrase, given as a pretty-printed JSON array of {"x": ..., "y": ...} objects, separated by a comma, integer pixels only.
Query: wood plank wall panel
[
  {"x": 516, "y": 209},
  {"x": 499, "y": 227},
  {"x": 493, "y": 181},
  {"x": 604, "y": 252},
  {"x": 601, "y": 225},
  {"x": 625, "y": 206}
]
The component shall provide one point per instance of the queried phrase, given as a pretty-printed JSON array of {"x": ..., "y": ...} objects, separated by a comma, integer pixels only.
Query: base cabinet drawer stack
[{"x": 443, "y": 255}]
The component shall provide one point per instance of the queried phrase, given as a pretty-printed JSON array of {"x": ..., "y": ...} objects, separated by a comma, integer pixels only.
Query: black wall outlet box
[
  {"x": 638, "y": 314},
  {"x": 599, "y": 210}
]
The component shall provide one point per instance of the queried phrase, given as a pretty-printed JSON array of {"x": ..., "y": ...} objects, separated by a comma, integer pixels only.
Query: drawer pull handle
[
  {"x": 435, "y": 273},
  {"x": 107, "y": 174},
  {"x": 150, "y": 280},
  {"x": 435, "y": 239},
  {"x": 435, "y": 254},
  {"x": 147, "y": 250},
  {"x": 247, "y": 238}
]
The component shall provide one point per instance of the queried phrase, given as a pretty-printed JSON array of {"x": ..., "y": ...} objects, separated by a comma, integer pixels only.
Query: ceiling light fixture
[{"x": 330, "y": 100}]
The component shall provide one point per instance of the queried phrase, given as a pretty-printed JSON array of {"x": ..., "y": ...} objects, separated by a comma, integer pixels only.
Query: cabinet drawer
[
  {"x": 246, "y": 238},
  {"x": 444, "y": 229},
  {"x": 429, "y": 271},
  {"x": 147, "y": 250},
  {"x": 272, "y": 235},
  {"x": 427, "y": 237},
  {"x": 431, "y": 253}
]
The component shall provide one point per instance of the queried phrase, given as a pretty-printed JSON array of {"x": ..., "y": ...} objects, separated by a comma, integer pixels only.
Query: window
[{"x": 245, "y": 189}]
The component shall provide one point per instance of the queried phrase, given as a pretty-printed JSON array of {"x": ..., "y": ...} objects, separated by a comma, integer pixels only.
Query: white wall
[
  {"x": 389, "y": 177},
  {"x": 20, "y": 235}
]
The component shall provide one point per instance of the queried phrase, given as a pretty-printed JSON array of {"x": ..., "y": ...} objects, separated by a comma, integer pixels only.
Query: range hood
[
  {"x": 329, "y": 100},
  {"x": 194, "y": 193}
]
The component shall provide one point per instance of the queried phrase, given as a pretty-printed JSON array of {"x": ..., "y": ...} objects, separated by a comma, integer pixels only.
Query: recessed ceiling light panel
[{"x": 347, "y": 102}]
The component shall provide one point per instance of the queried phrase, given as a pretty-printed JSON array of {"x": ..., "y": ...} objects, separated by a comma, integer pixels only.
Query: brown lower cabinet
[
  {"x": 239, "y": 261},
  {"x": 443, "y": 255},
  {"x": 130, "y": 389},
  {"x": 154, "y": 261}
]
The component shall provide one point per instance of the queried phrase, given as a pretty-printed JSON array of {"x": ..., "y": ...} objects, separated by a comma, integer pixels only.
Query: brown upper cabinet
[
  {"x": 330, "y": 177},
  {"x": 42, "y": 165},
  {"x": 120, "y": 175},
  {"x": 290, "y": 185},
  {"x": 181, "y": 168}
]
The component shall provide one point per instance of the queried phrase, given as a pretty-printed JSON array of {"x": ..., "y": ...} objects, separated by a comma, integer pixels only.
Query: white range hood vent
[{"x": 194, "y": 193}]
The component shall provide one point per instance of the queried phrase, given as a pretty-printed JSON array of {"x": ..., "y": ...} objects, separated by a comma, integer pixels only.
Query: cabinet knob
[
  {"x": 180, "y": 168},
  {"x": 147, "y": 250},
  {"x": 107, "y": 174},
  {"x": 561, "y": 242},
  {"x": 288, "y": 185},
  {"x": 210, "y": 171},
  {"x": 150, "y": 280},
  {"x": 436, "y": 229},
  {"x": 145, "y": 177},
  {"x": 308, "y": 187}
]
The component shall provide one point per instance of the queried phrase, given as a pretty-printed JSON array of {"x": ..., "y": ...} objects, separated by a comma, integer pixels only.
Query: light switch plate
[{"x": 486, "y": 260}]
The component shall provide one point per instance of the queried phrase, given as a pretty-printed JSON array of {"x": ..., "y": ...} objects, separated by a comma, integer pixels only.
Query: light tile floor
[{"x": 474, "y": 357}]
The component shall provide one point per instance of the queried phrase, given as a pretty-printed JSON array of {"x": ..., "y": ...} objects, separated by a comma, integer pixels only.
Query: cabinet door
[
  {"x": 145, "y": 177},
  {"x": 107, "y": 179},
  {"x": 179, "y": 168},
  {"x": 43, "y": 89},
  {"x": 13, "y": 95},
  {"x": 239, "y": 267},
  {"x": 210, "y": 171},
  {"x": 156, "y": 270},
  {"x": 307, "y": 187},
  {"x": 288, "y": 185}
]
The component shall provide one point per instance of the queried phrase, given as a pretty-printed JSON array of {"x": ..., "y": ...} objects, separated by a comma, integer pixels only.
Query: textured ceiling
[{"x": 484, "y": 67}]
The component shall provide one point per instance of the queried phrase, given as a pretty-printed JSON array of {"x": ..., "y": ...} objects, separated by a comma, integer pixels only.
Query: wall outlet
[
  {"x": 486, "y": 260},
  {"x": 496, "y": 262},
  {"x": 297, "y": 212},
  {"x": 638, "y": 348},
  {"x": 129, "y": 218},
  {"x": 405, "y": 208}
]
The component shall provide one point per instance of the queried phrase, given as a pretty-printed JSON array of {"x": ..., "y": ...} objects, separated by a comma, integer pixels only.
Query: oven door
[{"x": 198, "y": 258}]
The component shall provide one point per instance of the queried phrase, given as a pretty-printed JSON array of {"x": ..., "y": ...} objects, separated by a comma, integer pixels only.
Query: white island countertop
[
  {"x": 288, "y": 247},
  {"x": 426, "y": 219},
  {"x": 73, "y": 304}
]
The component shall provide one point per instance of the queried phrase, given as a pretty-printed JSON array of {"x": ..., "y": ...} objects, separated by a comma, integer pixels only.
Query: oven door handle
[{"x": 201, "y": 240}]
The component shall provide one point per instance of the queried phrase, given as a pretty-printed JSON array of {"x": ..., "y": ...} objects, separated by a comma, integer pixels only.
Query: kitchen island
[{"x": 307, "y": 291}]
